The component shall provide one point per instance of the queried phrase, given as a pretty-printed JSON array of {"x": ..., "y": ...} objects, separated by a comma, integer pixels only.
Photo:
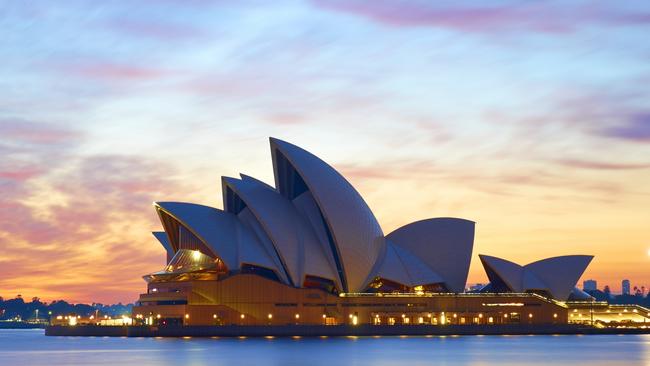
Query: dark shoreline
[{"x": 331, "y": 330}]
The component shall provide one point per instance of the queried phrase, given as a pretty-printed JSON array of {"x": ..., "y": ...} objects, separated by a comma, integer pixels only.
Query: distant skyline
[{"x": 531, "y": 119}]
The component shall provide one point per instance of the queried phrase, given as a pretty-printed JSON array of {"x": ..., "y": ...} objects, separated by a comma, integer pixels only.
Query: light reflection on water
[{"x": 31, "y": 347}]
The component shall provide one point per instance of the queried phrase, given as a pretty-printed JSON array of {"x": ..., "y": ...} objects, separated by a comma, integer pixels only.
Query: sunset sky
[{"x": 530, "y": 118}]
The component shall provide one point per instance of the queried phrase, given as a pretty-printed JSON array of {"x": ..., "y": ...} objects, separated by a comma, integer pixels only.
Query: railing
[{"x": 453, "y": 294}]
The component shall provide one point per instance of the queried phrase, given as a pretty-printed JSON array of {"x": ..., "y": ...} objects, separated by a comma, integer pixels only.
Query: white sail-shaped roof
[
  {"x": 222, "y": 233},
  {"x": 510, "y": 273},
  {"x": 293, "y": 239},
  {"x": 356, "y": 237},
  {"x": 443, "y": 244},
  {"x": 560, "y": 274},
  {"x": 557, "y": 275},
  {"x": 162, "y": 237}
]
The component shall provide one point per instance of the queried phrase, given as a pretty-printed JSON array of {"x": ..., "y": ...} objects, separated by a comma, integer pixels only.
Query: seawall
[{"x": 330, "y": 330}]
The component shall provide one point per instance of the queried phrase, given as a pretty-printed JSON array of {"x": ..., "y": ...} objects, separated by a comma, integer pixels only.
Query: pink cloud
[
  {"x": 20, "y": 175},
  {"x": 101, "y": 216},
  {"x": 33, "y": 132},
  {"x": 157, "y": 30},
  {"x": 599, "y": 165},
  {"x": 114, "y": 71},
  {"x": 547, "y": 17}
]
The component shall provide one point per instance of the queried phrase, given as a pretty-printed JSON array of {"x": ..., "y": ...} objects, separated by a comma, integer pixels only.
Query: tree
[{"x": 607, "y": 291}]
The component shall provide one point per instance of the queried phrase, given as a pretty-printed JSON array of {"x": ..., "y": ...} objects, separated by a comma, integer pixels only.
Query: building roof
[
  {"x": 314, "y": 223},
  {"x": 557, "y": 275}
]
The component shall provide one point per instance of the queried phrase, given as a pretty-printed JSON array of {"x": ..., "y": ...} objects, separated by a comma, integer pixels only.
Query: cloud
[
  {"x": 163, "y": 31},
  {"x": 24, "y": 131},
  {"x": 636, "y": 128},
  {"x": 598, "y": 165},
  {"x": 104, "y": 70},
  {"x": 546, "y": 17},
  {"x": 73, "y": 220}
]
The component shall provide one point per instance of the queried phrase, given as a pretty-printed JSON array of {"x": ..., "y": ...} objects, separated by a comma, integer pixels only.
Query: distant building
[
  {"x": 625, "y": 286},
  {"x": 589, "y": 285}
]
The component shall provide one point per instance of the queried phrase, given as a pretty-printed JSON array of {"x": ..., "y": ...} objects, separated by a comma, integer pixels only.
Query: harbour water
[{"x": 31, "y": 347}]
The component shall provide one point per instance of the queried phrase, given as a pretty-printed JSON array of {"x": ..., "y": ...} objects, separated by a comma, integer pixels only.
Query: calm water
[{"x": 31, "y": 347}]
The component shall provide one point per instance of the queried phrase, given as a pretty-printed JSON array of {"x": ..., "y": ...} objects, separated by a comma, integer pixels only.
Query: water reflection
[{"x": 31, "y": 347}]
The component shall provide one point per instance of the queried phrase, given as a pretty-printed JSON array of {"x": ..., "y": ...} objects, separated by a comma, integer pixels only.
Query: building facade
[{"x": 310, "y": 251}]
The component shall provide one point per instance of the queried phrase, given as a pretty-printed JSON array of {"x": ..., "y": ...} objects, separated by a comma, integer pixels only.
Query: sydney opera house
[{"x": 310, "y": 251}]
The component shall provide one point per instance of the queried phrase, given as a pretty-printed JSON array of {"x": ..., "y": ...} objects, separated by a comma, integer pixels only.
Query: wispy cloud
[
  {"x": 112, "y": 71},
  {"x": 546, "y": 17},
  {"x": 599, "y": 165},
  {"x": 636, "y": 128},
  {"x": 161, "y": 31},
  {"x": 90, "y": 212},
  {"x": 17, "y": 130}
]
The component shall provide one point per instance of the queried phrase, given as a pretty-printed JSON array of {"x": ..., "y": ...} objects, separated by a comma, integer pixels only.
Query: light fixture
[{"x": 196, "y": 255}]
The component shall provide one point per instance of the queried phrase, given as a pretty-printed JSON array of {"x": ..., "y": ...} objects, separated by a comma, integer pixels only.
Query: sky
[{"x": 530, "y": 118}]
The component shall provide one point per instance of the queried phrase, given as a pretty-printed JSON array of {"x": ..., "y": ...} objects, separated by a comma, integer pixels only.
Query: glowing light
[
  {"x": 214, "y": 316},
  {"x": 297, "y": 316},
  {"x": 242, "y": 316},
  {"x": 158, "y": 316},
  {"x": 530, "y": 315},
  {"x": 72, "y": 320},
  {"x": 196, "y": 255},
  {"x": 355, "y": 320},
  {"x": 555, "y": 315},
  {"x": 270, "y": 316},
  {"x": 324, "y": 316},
  {"x": 187, "y": 316}
]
